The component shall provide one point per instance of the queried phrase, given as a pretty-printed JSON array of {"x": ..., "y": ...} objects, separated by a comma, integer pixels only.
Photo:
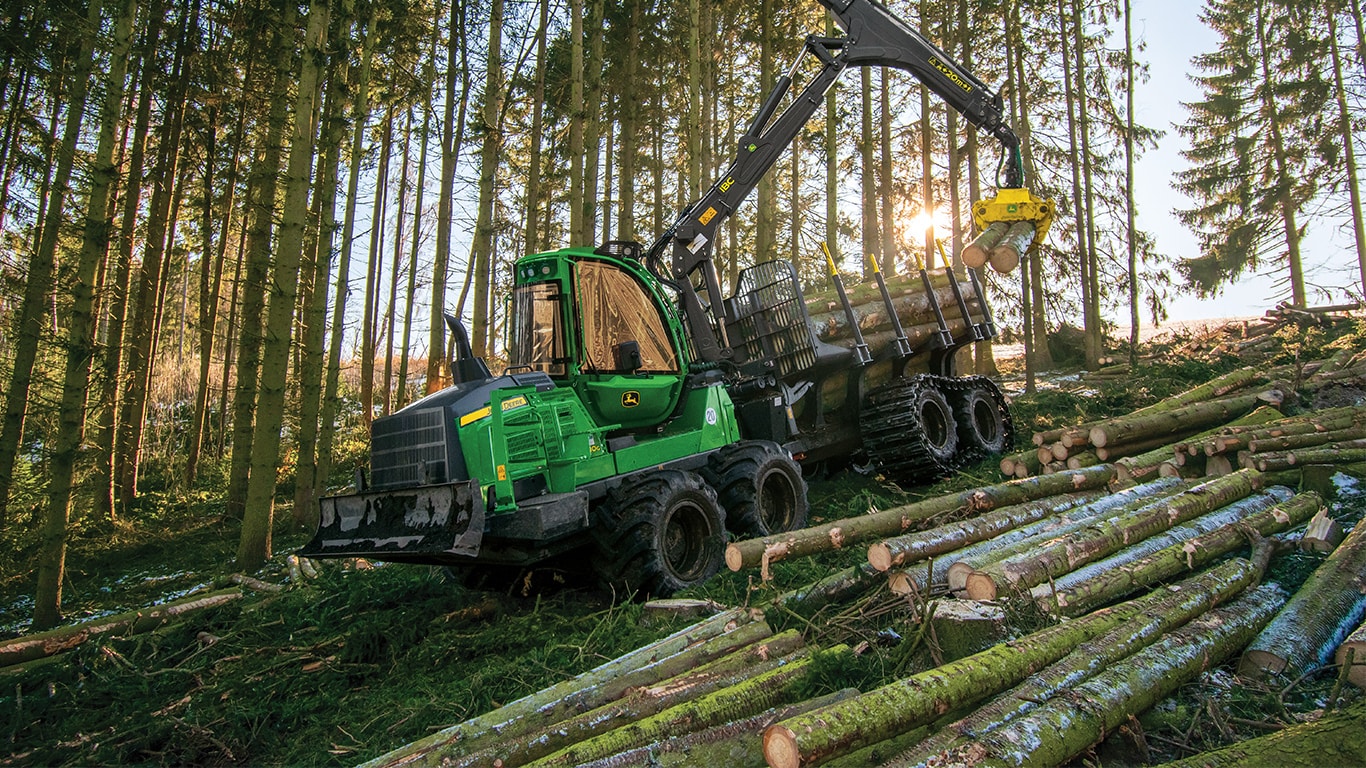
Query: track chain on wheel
[{"x": 909, "y": 439}]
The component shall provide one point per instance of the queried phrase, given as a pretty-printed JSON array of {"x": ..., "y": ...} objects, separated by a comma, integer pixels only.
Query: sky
[{"x": 1173, "y": 33}]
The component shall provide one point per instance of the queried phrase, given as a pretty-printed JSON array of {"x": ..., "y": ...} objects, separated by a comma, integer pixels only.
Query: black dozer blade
[{"x": 432, "y": 524}]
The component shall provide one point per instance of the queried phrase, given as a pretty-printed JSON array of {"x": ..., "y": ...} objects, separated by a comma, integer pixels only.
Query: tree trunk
[
  {"x": 831, "y": 161},
  {"x": 1068, "y": 725},
  {"x": 1131, "y": 227},
  {"x": 396, "y": 266},
  {"x": 640, "y": 703},
  {"x": 452, "y": 137},
  {"x": 577, "y": 117},
  {"x": 255, "y": 545},
  {"x": 1337, "y": 738},
  {"x": 1081, "y": 547},
  {"x": 1324, "y": 609},
  {"x": 774, "y": 687},
  {"x": 902, "y": 705},
  {"x": 370, "y": 301},
  {"x": 871, "y": 242},
  {"x": 38, "y": 285},
  {"x": 901, "y": 550},
  {"x": 1051, "y": 530},
  {"x": 895, "y": 521},
  {"x": 593, "y": 123},
  {"x": 482, "y": 251},
  {"x": 1083, "y": 663},
  {"x": 1280, "y": 157},
  {"x": 1073, "y": 597},
  {"x": 531, "y": 241},
  {"x": 146, "y": 310},
  {"x": 312, "y": 370},
  {"x": 580, "y": 693},
  {"x": 81, "y": 334},
  {"x": 1093, "y": 330},
  {"x": 411, "y": 294},
  {"x": 1173, "y": 422}
]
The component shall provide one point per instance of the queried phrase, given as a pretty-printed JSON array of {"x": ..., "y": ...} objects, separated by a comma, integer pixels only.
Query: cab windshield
[
  {"x": 537, "y": 339},
  {"x": 616, "y": 309}
]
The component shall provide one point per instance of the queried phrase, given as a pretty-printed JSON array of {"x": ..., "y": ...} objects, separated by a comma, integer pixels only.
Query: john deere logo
[{"x": 630, "y": 399}]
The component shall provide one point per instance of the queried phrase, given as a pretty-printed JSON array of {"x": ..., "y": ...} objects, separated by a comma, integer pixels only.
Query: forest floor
[{"x": 357, "y": 662}]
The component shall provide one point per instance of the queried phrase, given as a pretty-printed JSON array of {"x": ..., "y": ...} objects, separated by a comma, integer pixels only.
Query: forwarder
[{"x": 643, "y": 415}]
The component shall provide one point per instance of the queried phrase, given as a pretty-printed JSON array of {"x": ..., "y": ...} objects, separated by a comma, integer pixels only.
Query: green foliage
[{"x": 835, "y": 669}]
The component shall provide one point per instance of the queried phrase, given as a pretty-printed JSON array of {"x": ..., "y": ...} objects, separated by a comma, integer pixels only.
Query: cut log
[
  {"x": 639, "y": 703},
  {"x": 1145, "y": 466},
  {"x": 1342, "y": 453},
  {"x": 1102, "y": 538},
  {"x": 1322, "y": 534},
  {"x": 1355, "y": 644},
  {"x": 1076, "y": 437},
  {"x": 772, "y": 688},
  {"x": 1318, "y": 616},
  {"x": 1072, "y": 599},
  {"x": 965, "y": 627},
  {"x": 561, "y": 700},
  {"x": 894, "y": 522},
  {"x": 1066, "y": 726},
  {"x": 1177, "y": 421},
  {"x": 839, "y": 587},
  {"x": 975, "y": 253},
  {"x": 1083, "y": 663},
  {"x": 1010, "y": 464},
  {"x": 54, "y": 641},
  {"x": 900, "y": 706},
  {"x": 1306, "y": 440},
  {"x": 1054, "y": 529},
  {"x": 737, "y": 744},
  {"x": 1231, "y": 514},
  {"x": 1218, "y": 466},
  {"x": 1081, "y": 460},
  {"x": 887, "y": 554},
  {"x": 1338, "y": 738}
]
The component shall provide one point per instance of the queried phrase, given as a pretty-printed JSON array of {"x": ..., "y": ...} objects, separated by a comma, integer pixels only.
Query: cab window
[
  {"x": 537, "y": 339},
  {"x": 616, "y": 308}
]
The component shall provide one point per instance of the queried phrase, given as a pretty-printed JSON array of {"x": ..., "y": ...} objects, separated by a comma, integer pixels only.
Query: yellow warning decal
[
  {"x": 502, "y": 472},
  {"x": 706, "y": 216},
  {"x": 474, "y": 416},
  {"x": 952, "y": 76}
]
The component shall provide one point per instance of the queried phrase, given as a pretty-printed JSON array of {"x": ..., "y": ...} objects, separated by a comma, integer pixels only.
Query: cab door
[{"x": 631, "y": 374}]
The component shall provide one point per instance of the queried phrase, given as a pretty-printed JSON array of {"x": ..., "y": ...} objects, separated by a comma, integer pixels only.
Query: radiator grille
[{"x": 408, "y": 449}]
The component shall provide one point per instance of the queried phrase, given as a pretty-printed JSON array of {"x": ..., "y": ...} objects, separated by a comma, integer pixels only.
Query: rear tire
[
  {"x": 760, "y": 487},
  {"x": 659, "y": 534},
  {"x": 981, "y": 422}
]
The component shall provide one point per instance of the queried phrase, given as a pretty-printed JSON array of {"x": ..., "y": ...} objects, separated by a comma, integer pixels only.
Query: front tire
[
  {"x": 760, "y": 487},
  {"x": 659, "y": 534},
  {"x": 981, "y": 419}
]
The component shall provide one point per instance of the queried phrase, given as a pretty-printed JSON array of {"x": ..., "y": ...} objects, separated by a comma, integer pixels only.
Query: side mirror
[{"x": 627, "y": 356}]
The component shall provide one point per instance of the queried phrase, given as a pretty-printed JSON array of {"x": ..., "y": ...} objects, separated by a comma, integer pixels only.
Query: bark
[
  {"x": 254, "y": 547},
  {"x": 1307, "y": 440},
  {"x": 736, "y": 744},
  {"x": 1067, "y": 726},
  {"x": 772, "y": 688},
  {"x": 910, "y": 548},
  {"x": 38, "y": 283},
  {"x": 902, "y": 705},
  {"x": 43, "y": 644},
  {"x": 482, "y": 250},
  {"x": 870, "y": 240},
  {"x": 1083, "y": 663},
  {"x": 1146, "y": 465},
  {"x": 452, "y": 137},
  {"x": 576, "y": 122},
  {"x": 640, "y": 703},
  {"x": 1105, "y": 581},
  {"x": 1337, "y": 738},
  {"x": 410, "y": 296},
  {"x": 1050, "y": 530},
  {"x": 1355, "y": 644},
  {"x": 1173, "y": 422},
  {"x": 331, "y": 399},
  {"x": 531, "y": 241},
  {"x": 1350, "y": 452},
  {"x": 369, "y": 330},
  {"x": 1318, "y": 616},
  {"x": 1100, "y": 539},
  {"x": 558, "y": 701},
  {"x": 891, "y": 522},
  {"x": 839, "y": 587},
  {"x": 1349, "y": 149},
  {"x": 594, "y": 25},
  {"x": 152, "y": 278},
  {"x": 80, "y": 347}
]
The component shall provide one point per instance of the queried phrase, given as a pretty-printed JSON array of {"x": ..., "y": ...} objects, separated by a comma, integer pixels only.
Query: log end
[
  {"x": 900, "y": 583},
  {"x": 735, "y": 559},
  {"x": 974, "y": 256},
  {"x": 1259, "y": 663},
  {"x": 1098, "y": 437},
  {"x": 880, "y": 556},
  {"x": 958, "y": 576},
  {"x": 980, "y": 586},
  {"x": 780, "y": 747},
  {"x": 1004, "y": 259}
]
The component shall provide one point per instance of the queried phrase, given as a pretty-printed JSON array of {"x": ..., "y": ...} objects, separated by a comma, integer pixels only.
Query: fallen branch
[{"x": 55, "y": 641}]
